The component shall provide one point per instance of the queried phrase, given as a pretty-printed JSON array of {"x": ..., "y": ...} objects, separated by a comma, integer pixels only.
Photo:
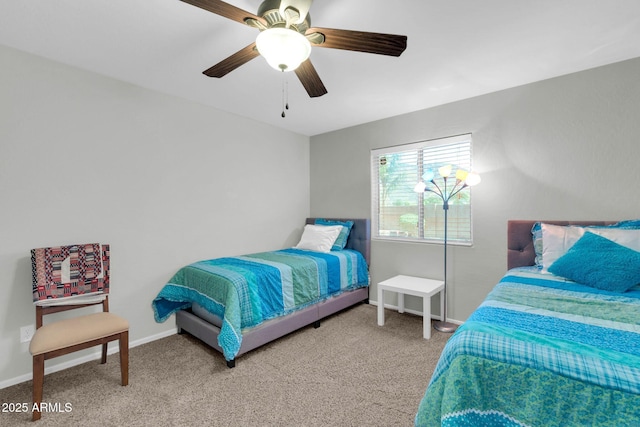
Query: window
[{"x": 400, "y": 213}]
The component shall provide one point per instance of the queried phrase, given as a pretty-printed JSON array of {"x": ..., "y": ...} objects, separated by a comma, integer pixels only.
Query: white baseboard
[
  {"x": 417, "y": 313},
  {"x": 80, "y": 360},
  {"x": 114, "y": 349}
]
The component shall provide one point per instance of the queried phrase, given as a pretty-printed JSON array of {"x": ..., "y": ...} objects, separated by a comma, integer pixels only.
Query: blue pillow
[
  {"x": 600, "y": 263},
  {"x": 341, "y": 241},
  {"x": 627, "y": 224}
]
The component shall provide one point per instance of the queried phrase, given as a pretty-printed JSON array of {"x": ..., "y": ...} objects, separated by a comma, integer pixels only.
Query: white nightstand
[{"x": 416, "y": 286}]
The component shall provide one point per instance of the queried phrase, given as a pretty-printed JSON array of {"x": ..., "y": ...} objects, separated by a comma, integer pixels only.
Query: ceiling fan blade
[
  {"x": 360, "y": 41},
  {"x": 224, "y": 9},
  {"x": 310, "y": 79},
  {"x": 229, "y": 64}
]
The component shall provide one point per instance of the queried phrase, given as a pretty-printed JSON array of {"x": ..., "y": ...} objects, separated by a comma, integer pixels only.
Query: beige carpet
[{"x": 348, "y": 372}]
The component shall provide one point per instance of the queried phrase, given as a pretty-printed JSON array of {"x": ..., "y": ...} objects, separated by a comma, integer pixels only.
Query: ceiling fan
[{"x": 286, "y": 37}]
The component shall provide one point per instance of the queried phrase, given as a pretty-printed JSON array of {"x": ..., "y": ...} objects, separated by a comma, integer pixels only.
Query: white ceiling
[{"x": 456, "y": 49}]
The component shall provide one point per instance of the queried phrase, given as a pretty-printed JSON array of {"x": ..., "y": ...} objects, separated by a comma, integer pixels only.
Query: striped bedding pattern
[
  {"x": 247, "y": 290},
  {"x": 540, "y": 351}
]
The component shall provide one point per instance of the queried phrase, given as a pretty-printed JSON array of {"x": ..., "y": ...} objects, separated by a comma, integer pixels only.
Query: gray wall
[
  {"x": 166, "y": 182},
  {"x": 564, "y": 148}
]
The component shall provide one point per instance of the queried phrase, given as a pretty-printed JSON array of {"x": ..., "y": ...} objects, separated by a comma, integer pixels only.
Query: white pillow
[
  {"x": 319, "y": 238},
  {"x": 557, "y": 239}
]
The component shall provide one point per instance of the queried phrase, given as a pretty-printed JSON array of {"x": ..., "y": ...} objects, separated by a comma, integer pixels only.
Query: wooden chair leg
[
  {"x": 124, "y": 357},
  {"x": 104, "y": 353},
  {"x": 38, "y": 385}
]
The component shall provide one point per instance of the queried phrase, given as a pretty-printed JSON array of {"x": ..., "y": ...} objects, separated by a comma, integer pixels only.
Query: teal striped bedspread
[
  {"x": 247, "y": 290},
  {"x": 540, "y": 351}
]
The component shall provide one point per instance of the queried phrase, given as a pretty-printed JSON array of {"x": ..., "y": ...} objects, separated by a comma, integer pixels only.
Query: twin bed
[
  {"x": 237, "y": 304},
  {"x": 545, "y": 350}
]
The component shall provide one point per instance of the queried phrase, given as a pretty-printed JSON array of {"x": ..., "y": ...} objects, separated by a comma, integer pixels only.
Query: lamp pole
[
  {"x": 443, "y": 325},
  {"x": 463, "y": 179}
]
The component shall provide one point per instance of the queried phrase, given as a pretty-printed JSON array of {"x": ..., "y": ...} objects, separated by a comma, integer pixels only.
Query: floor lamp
[{"x": 464, "y": 179}]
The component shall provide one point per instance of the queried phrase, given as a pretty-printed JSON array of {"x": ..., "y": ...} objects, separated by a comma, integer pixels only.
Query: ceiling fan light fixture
[{"x": 284, "y": 49}]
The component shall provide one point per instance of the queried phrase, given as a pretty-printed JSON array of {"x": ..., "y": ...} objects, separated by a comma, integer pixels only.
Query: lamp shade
[
  {"x": 472, "y": 179},
  {"x": 428, "y": 175},
  {"x": 420, "y": 187},
  {"x": 283, "y": 48},
  {"x": 445, "y": 171},
  {"x": 461, "y": 174}
]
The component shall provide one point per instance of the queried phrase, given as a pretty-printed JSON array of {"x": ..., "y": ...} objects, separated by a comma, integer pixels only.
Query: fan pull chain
[{"x": 285, "y": 94}]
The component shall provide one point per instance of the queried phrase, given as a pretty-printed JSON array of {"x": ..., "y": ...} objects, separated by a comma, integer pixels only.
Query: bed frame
[
  {"x": 359, "y": 240},
  {"x": 520, "y": 251}
]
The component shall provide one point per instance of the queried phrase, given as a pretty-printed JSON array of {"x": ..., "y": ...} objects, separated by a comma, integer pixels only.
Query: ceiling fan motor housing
[{"x": 269, "y": 10}]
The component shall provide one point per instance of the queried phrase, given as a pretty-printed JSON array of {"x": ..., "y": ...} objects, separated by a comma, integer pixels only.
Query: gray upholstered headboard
[
  {"x": 520, "y": 250},
  {"x": 360, "y": 236}
]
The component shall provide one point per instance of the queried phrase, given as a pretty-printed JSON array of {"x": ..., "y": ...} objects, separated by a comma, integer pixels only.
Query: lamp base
[{"x": 446, "y": 327}]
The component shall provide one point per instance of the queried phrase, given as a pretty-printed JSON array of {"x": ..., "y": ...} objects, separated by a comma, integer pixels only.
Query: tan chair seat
[{"x": 69, "y": 332}]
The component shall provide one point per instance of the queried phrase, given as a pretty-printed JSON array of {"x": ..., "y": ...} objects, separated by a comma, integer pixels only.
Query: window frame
[{"x": 419, "y": 148}]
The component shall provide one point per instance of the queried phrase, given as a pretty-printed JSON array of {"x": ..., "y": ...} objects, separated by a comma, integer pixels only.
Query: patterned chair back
[{"x": 65, "y": 273}]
